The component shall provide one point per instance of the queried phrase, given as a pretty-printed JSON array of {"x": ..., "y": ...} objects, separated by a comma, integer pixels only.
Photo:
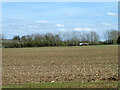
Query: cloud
[
  {"x": 41, "y": 21},
  {"x": 78, "y": 29},
  {"x": 70, "y": 15},
  {"x": 106, "y": 24},
  {"x": 95, "y": 29},
  {"x": 60, "y": 25},
  {"x": 111, "y": 14},
  {"x": 82, "y": 29},
  {"x": 32, "y": 26},
  {"x": 62, "y": 29}
]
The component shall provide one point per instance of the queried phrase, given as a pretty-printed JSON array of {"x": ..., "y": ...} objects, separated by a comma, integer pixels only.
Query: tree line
[{"x": 61, "y": 39}]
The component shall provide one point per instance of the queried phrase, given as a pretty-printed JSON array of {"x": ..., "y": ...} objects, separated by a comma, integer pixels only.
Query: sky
[{"x": 23, "y": 18}]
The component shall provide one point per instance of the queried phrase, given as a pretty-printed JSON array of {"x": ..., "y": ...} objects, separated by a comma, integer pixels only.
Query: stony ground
[{"x": 60, "y": 64}]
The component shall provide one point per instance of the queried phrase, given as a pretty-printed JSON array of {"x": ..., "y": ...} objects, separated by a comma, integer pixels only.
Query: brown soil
[{"x": 59, "y": 64}]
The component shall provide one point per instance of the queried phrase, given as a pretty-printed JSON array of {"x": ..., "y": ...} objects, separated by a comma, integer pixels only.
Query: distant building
[{"x": 81, "y": 44}]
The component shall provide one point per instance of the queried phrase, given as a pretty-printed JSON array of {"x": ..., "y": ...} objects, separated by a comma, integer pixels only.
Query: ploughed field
[{"x": 60, "y": 64}]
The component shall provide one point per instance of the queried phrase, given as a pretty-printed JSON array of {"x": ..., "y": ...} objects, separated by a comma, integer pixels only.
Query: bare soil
[{"x": 60, "y": 64}]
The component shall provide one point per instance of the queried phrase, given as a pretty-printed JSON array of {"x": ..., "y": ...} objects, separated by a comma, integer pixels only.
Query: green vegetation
[{"x": 98, "y": 84}]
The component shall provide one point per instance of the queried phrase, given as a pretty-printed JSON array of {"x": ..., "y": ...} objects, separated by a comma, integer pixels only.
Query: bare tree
[{"x": 111, "y": 36}]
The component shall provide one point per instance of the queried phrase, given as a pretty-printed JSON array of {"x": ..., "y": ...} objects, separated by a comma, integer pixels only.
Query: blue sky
[{"x": 22, "y": 18}]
